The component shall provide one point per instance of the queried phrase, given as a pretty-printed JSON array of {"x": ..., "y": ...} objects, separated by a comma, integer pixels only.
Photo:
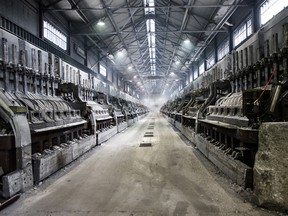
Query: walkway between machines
[{"x": 121, "y": 178}]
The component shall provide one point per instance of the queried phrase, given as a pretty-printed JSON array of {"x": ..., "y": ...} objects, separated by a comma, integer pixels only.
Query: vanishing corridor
[{"x": 121, "y": 178}]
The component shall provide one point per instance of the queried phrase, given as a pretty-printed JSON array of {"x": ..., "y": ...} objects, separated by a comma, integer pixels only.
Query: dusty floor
[{"x": 121, "y": 178}]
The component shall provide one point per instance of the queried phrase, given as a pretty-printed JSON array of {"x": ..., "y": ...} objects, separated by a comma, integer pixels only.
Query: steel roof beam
[
  {"x": 137, "y": 38},
  {"x": 143, "y": 7},
  {"x": 51, "y": 4},
  {"x": 86, "y": 21},
  {"x": 115, "y": 26},
  {"x": 183, "y": 25},
  {"x": 219, "y": 26},
  {"x": 169, "y": 31},
  {"x": 79, "y": 11}
]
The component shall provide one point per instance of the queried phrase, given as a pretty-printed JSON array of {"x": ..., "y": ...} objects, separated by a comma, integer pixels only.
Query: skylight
[
  {"x": 270, "y": 8},
  {"x": 150, "y": 26}
]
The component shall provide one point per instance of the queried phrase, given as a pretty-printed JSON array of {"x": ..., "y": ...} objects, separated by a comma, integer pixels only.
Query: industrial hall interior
[{"x": 143, "y": 107}]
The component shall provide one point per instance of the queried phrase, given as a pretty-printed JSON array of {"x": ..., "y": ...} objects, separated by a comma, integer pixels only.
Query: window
[
  {"x": 242, "y": 32},
  {"x": 270, "y": 8},
  {"x": 180, "y": 86},
  {"x": 191, "y": 77},
  {"x": 54, "y": 35},
  {"x": 249, "y": 27},
  {"x": 210, "y": 61},
  {"x": 195, "y": 73},
  {"x": 223, "y": 49},
  {"x": 201, "y": 68},
  {"x": 103, "y": 70}
]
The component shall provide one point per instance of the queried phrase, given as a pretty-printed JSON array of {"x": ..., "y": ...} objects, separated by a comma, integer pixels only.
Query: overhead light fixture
[
  {"x": 185, "y": 38},
  {"x": 177, "y": 62},
  {"x": 120, "y": 52},
  {"x": 100, "y": 23},
  {"x": 130, "y": 68}
]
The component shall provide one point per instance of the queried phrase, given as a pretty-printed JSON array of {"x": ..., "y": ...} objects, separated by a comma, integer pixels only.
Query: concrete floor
[{"x": 121, "y": 178}]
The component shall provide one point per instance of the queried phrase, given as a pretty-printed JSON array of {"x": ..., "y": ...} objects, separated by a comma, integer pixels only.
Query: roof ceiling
[{"x": 178, "y": 33}]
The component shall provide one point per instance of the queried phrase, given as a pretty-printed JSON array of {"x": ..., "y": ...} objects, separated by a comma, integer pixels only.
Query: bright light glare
[
  {"x": 187, "y": 41},
  {"x": 120, "y": 53},
  {"x": 100, "y": 23},
  {"x": 187, "y": 45},
  {"x": 270, "y": 8}
]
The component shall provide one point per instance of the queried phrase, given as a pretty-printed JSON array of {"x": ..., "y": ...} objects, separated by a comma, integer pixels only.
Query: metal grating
[
  {"x": 148, "y": 135},
  {"x": 145, "y": 145}
]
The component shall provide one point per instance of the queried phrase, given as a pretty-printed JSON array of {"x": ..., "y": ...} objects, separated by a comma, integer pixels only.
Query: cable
[{"x": 265, "y": 88}]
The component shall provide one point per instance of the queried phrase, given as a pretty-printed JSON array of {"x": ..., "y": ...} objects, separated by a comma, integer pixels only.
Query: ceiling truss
[{"x": 125, "y": 29}]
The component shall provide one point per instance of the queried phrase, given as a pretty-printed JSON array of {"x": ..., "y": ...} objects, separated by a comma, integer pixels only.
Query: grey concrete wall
[
  {"x": 121, "y": 127},
  {"x": 110, "y": 73},
  {"x": 45, "y": 165},
  {"x": 115, "y": 78},
  {"x": 130, "y": 122},
  {"x": 17, "y": 181},
  {"x": 270, "y": 169},
  {"x": 73, "y": 53},
  {"x": 239, "y": 172},
  {"x": 171, "y": 120},
  {"x": 21, "y": 13},
  {"x": 92, "y": 61},
  {"x": 189, "y": 133},
  {"x": 179, "y": 126},
  {"x": 105, "y": 135}
]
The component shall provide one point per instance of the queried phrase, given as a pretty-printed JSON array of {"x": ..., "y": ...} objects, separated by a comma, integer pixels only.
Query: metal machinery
[
  {"x": 139, "y": 110},
  {"x": 104, "y": 117},
  {"x": 120, "y": 118},
  {"x": 50, "y": 113},
  {"x": 239, "y": 93},
  {"x": 128, "y": 111}
]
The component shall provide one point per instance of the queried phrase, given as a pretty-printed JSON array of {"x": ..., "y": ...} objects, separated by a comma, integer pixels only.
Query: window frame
[
  {"x": 242, "y": 32},
  {"x": 223, "y": 49},
  {"x": 277, "y": 5},
  {"x": 195, "y": 73},
  {"x": 211, "y": 60},
  {"x": 201, "y": 67},
  {"x": 103, "y": 70},
  {"x": 54, "y": 35}
]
